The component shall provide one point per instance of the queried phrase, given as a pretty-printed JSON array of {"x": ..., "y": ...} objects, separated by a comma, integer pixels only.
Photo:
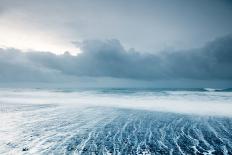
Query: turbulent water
[{"x": 115, "y": 121}]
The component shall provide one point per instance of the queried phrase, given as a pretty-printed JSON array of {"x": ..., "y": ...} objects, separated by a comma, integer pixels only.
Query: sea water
[{"x": 115, "y": 121}]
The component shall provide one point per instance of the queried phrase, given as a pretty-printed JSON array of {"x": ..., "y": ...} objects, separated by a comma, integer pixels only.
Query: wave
[
  {"x": 187, "y": 102},
  {"x": 217, "y": 90}
]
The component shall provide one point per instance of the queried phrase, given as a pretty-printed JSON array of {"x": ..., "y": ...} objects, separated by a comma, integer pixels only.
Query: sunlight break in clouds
[{"x": 28, "y": 36}]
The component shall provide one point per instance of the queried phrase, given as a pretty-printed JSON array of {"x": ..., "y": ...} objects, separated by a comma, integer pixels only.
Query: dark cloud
[
  {"x": 109, "y": 59},
  {"x": 16, "y": 66}
]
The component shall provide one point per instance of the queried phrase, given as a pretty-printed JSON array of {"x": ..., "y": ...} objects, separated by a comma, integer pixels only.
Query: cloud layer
[
  {"x": 146, "y": 25},
  {"x": 109, "y": 59}
]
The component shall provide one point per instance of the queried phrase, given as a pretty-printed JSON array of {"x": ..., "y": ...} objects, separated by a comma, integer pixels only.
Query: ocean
[{"x": 115, "y": 121}]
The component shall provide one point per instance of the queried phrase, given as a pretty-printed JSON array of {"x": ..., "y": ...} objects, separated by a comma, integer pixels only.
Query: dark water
[{"x": 142, "y": 132}]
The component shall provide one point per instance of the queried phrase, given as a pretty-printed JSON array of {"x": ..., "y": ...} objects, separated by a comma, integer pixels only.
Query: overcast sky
[
  {"x": 138, "y": 40},
  {"x": 146, "y": 25}
]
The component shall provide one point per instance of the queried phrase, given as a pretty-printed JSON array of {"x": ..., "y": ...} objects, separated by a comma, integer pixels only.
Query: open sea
[{"x": 115, "y": 121}]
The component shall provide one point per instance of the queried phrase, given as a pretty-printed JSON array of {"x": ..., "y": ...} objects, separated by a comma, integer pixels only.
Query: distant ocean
[{"x": 115, "y": 121}]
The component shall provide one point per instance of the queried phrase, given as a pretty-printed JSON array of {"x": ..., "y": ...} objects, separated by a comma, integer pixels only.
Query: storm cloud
[{"x": 109, "y": 58}]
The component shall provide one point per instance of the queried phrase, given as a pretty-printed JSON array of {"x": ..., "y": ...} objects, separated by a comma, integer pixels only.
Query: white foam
[{"x": 186, "y": 102}]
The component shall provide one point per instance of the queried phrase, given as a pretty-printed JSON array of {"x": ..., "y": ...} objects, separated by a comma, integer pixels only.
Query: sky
[
  {"x": 146, "y": 25},
  {"x": 146, "y": 40}
]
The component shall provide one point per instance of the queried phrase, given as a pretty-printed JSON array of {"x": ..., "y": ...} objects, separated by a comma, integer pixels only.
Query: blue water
[{"x": 116, "y": 121}]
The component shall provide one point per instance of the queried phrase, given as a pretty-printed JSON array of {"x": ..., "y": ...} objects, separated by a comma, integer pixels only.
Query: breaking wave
[{"x": 218, "y": 90}]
